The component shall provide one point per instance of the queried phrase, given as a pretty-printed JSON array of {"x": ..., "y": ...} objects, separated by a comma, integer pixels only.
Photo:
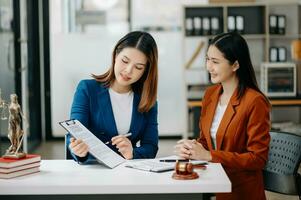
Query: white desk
[{"x": 66, "y": 177}]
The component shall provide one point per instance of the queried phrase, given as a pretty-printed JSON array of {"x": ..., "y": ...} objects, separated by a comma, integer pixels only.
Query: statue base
[{"x": 15, "y": 155}]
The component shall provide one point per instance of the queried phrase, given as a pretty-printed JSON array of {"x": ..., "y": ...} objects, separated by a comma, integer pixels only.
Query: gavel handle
[{"x": 200, "y": 166}]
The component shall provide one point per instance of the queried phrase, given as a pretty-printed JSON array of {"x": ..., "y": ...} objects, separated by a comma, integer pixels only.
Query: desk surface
[{"x": 68, "y": 177}]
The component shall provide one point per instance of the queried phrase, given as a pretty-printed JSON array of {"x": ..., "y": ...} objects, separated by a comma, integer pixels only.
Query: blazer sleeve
[
  {"x": 80, "y": 110},
  {"x": 202, "y": 138},
  {"x": 149, "y": 140},
  {"x": 257, "y": 144}
]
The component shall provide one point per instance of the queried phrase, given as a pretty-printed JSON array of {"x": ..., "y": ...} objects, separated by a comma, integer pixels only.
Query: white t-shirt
[
  {"x": 122, "y": 105},
  {"x": 219, "y": 113}
]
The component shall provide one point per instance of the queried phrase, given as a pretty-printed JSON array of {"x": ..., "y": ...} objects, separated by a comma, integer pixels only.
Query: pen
[
  {"x": 174, "y": 160},
  {"x": 125, "y": 135}
]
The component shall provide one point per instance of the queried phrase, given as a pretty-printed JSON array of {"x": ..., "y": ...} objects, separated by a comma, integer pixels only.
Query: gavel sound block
[{"x": 184, "y": 171}]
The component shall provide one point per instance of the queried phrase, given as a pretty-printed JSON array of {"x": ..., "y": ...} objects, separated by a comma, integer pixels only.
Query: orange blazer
[{"x": 242, "y": 140}]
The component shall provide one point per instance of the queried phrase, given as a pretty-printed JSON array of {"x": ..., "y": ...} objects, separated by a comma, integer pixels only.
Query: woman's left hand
[
  {"x": 191, "y": 149},
  {"x": 124, "y": 146}
]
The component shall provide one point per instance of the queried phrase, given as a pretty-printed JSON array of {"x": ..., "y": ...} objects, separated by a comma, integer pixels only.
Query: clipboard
[{"x": 97, "y": 148}]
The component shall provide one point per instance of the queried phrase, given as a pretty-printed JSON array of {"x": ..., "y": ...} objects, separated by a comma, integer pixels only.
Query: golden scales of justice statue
[{"x": 15, "y": 132}]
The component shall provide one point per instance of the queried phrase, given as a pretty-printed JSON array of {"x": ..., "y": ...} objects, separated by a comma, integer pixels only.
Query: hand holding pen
[
  {"x": 123, "y": 135},
  {"x": 124, "y": 145}
]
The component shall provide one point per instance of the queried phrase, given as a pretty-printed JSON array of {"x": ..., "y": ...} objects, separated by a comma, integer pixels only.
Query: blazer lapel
[
  {"x": 137, "y": 117},
  {"x": 105, "y": 106},
  {"x": 209, "y": 114},
  {"x": 228, "y": 115}
]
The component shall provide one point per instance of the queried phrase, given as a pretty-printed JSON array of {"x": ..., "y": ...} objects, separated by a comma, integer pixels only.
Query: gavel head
[{"x": 183, "y": 168}]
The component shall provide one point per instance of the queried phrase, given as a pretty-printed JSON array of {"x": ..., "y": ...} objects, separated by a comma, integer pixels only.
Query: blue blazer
[{"x": 92, "y": 107}]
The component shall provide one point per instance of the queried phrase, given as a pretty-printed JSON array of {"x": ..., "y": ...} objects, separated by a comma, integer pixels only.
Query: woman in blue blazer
[{"x": 121, "y": 101}]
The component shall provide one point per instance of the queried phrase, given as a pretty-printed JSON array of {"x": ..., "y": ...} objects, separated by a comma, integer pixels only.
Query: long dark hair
[
  {"x": 235, "y": 48},
  {"x": 147, "y": 85}
]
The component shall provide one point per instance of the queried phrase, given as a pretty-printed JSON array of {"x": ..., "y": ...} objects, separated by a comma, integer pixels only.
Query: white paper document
[
  {"x": 160, "y": 164},
  {"x": 97, "y": 148}
]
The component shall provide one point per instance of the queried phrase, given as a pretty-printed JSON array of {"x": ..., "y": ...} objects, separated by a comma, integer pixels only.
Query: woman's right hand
[
  {"x": 191, "y": 149},
  {"x": 78, "y": 147}
]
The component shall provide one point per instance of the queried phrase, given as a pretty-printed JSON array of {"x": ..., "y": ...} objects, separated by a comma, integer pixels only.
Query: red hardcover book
[
  {"x": 19, "y": 173},
  {"x": 22, "y": 167},
  {"x": 9, "y": 163}
]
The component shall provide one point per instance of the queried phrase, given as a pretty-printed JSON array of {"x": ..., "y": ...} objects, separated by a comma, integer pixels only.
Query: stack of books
[{"x": 10, "y": 168}]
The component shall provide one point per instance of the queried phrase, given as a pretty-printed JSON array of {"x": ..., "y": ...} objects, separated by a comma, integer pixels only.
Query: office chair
[
  {"x": 67, "y": 151},
  {"x": 281, "y": 171}
]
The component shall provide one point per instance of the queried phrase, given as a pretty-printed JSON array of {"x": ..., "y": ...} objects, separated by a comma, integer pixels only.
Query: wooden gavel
[
  {"x": 184, "y": 168},
  {"x": 184, "y": 171}
]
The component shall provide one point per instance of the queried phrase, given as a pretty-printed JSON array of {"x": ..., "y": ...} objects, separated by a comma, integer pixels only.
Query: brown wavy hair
[{"x": 147, "y": 85}]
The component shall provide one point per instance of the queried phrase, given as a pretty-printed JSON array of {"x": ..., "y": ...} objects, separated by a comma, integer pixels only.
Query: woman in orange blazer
[{"x": 234, "y": 123}]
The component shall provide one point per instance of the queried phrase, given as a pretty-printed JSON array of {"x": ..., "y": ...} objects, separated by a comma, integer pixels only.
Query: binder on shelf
[
  {"x": 282, "y": 55},
  {"x": 215, "y": 25},
  {"x": 189, "y": 26},
  {"x": 273, "y": 24},
  {"x": 273, "y": 54},
  {"x": 281, "y": 22},
  {"x": 239, "y": 24},
  {"x": 277, "y": 24},
  {"x": 197, "y": 25},
  {"x": 278, "y": 54},
  {"x": 231, "y": 23},
  {"x": 206, "y": 26}
]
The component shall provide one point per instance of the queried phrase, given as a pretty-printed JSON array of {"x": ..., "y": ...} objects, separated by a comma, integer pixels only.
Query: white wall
[
  {"x": 171, "y": 89},
  {"x": 74, "y": 57}
]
